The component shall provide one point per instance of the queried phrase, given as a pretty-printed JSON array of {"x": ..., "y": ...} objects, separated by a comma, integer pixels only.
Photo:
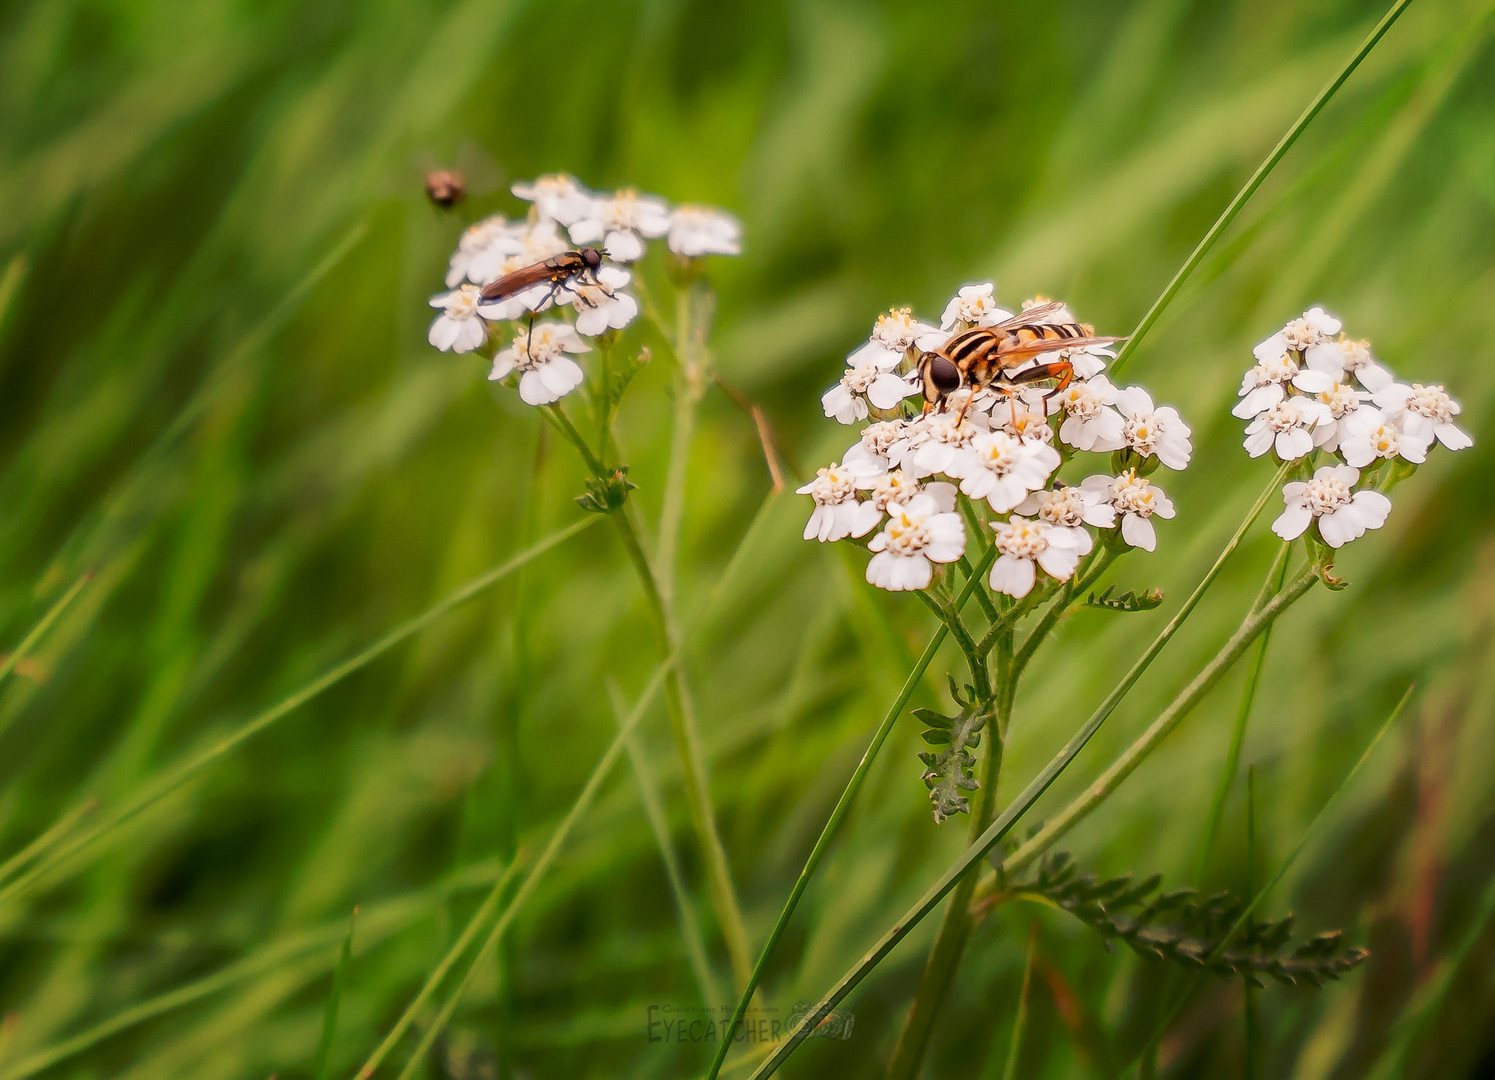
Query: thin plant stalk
[
  {"x": 1257, "y": 178},
  {"x": 682, "y": 720},
  {"x": 1275, "y": 577},
  {"x": 23, "y": 650},
  {"x": 843, "y": 806},
  {"x": 957, "y": 924},
  {"x": 1248, "y": 986},
  {"x": 690, "y": 925},
  {"x": 173, "y": 778},
  {"x": 1020, "y": 806},
  {"x": 1020, "y": 1021}
]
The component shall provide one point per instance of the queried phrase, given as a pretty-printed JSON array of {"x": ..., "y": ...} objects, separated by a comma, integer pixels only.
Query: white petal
[
  {"x": 1453, "y": 437},
  {"x": 443, "y": 333},
  {"x": 1138, "y": 531},
  {"x": 1012, "y": 576},
  {"x": 1373, "y": 507},
  {"x": 1292, "y": 522},
  {"x": 1340, "y": 527}
]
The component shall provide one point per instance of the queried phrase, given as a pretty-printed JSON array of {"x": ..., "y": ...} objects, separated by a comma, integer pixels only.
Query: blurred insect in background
[
  {"x": 984, "y": 357},
  {"x": 445, "y": 188}
]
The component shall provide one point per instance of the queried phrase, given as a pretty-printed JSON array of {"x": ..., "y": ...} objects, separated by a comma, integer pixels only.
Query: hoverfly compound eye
[
  {"x": 944, "y": 375},
  {"x": 592, "y": 256}
]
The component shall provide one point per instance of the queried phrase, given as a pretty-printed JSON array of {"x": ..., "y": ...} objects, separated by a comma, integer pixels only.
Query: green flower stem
[
  {"x": 682, "y": 724},
  {"x": 956, "y": 926},
  {"x": 1020, "y": 806},
  {"x": 843, "y": 806},
  {"x": 1257, "y": 178},
  {"x": 689, "y": 388},
  {"x": 1096, "y": 793},
  {"x": 978, "y": 528},
  {"x": 1077, "y": 586},
  {"x": 1272, "y": 585},
  {"x": 975, "y": 660}
]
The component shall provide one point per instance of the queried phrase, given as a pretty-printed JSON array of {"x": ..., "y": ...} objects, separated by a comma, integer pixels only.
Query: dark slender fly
[
  {"x": 560, "y": 271},
  {"x": 985, "y": 356}
]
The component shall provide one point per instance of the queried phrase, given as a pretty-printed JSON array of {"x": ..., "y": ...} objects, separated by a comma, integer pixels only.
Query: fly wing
[
  {"x": 516, "y": 281},
  {"x": 1030, "y": 317},
  {"x": 1032, "y": 348}
]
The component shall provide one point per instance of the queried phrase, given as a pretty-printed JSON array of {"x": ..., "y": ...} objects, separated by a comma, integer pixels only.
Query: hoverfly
[
  {"x": 983, "y": 357},
  {"x": 445, "y": 188}
]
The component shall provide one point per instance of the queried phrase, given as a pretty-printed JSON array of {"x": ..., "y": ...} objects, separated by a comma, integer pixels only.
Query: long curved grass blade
[
  {"x": 21, "y": 651},
  {"x": 334, "y": 1002},
  {"x": 175, "y": 777},
  {"x": 1257, "y": 178}
]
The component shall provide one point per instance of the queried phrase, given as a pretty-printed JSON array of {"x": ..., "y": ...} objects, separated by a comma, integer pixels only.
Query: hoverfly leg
[{"x": 1060, "y": 370}]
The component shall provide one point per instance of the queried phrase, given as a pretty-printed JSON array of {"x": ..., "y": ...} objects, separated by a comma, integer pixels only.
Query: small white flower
[
  {"x": 1021, "y": 414},
  {"x": 918, "y": 533},
  {"x": 480, "y": 243},
  {"x": 1137, "y": 500},
  {"x": 1021, "y": 544},
  {"x": 547, "y": 373},
  {"x": 1342, "y": 513},
  {"x": 1072, "y": 508},
  {"x": 1091, "y": 422},
  {"x": 621, "y": 222},
  {"x": 1004, "y": 469},
  {"x": 847, "y": 400},
  {"x": 1344, "y": 357},
  {"x": 1345, "y": 406},
  {"x": 837, "y": 513},
  {"x": 973, "y": 306},
  {"x": 557, "y": 196},
  {"x": 946, "y": 446},
  {"x": 1370, "y": 437},
  {"x": 458, "y": 328},
  {"x": 868, "y": 458},
  {"x": 704, "y": 230},
  {"x": 536, "y": 243},
  {"x": 1287, "y": 427},
  {"x": 1311, "y": 328},
  {"x": 1424, "y": 412},
  {"x": 1149, "y": 430},
  {"x": 601, "y": 305},
  {"x": 894, "y": 335},
  {"x": 1265, "y": 384},
  {"x": 900, "y": 486}
]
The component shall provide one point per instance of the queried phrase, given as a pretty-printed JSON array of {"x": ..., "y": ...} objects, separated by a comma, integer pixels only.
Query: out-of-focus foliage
[{"x": 218, "y": 398}]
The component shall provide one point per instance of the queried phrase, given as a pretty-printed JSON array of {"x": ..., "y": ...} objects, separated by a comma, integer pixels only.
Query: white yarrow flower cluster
[
  {"x": 1314, "y": 391},
  {"x": 999, "y": 449},
  {"x": 563, "y": 215}
]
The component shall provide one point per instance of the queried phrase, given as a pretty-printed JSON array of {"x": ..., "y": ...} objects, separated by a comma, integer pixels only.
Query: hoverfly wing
[
  {"x": 1029, "y": 317},
  {"x": 1042, "y": 345},
  {"x": 516, "y": 281}
]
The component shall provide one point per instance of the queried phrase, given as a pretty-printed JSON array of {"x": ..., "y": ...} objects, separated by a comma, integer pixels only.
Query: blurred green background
[{"x": 218, "y": 398}]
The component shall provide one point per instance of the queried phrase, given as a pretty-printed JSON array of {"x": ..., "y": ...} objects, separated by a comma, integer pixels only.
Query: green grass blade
[
  {"x": 690, "y": 925},
  {"x": 1020, "y": 1022},
  {"x": 1257, "y": 178},
  {"x": 173, "y": 778},
  {"x": 334, "y": 1002},
  {"x": 21, "y": 651}
]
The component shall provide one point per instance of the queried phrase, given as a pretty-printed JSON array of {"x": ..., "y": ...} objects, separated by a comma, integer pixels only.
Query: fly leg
[{"x": 1061, "y": 370}]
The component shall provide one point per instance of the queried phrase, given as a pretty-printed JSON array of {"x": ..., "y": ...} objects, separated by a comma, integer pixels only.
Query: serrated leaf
[
  {"x": 950, "y": 771},
  {"x": 1127, "y": 601}
]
